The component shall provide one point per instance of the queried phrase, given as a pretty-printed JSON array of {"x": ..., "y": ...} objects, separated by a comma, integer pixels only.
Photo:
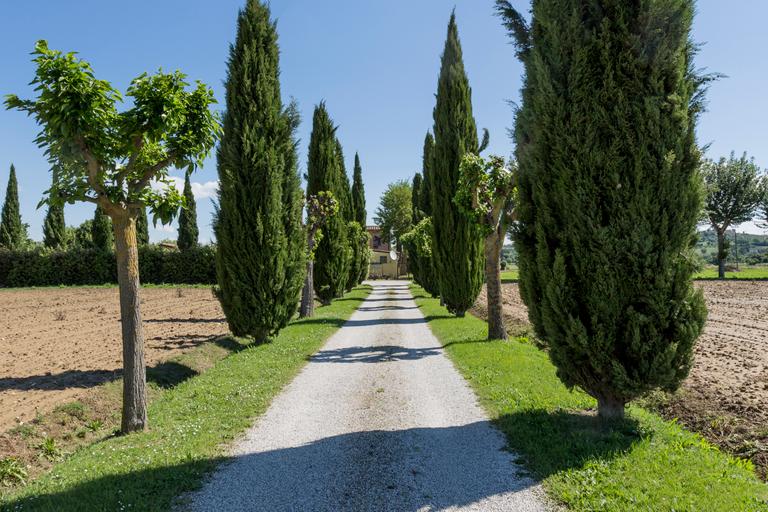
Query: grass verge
[
  {"x": 191, "y": 424},
  {"x": 642, "y": 463}
]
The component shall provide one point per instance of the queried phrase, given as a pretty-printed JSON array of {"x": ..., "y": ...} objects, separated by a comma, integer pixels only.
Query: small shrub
[
  {"x": 25, "y": 430},
  {"x": 49, "y": 449},
  {"x": 74, "y": 409},
  {"x": 12, "y": 471},
  {"x": 94, "y": 425}
]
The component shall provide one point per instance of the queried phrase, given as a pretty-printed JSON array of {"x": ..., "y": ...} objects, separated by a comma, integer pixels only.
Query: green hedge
[{"x": 93, "y": 267}]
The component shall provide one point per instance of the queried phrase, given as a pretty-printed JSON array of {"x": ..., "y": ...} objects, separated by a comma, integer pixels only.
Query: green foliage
[
  {"x": 102, "y": 235},
  {"x": 641, "y": 463},
  {"x": 13, "y": 233},
  {"x": 734, "y": 190},
  {"x": 188, "y": 232},
  {"x": 485, "y": 192},
  {"x": 50, "y": 450},
  {"x": 359, "y": 240},
  {"x": 261, "y": 242},
  {"x": 345, "y": 192},
  {"x": 418, "y": 242},
  {"x": 324, "y": 173},
  {"x": 91, "y": 266},
  {"x": 193, "y": 423},
  {"x": 457, "y": 251},
  {"x": 416, "y": 186},
  {"x": 142, "y": 227},
  {"x": 425, "y": 195},
  {"x": 609, "y": 193},
  {"x": 12, "y": 471},
  {"x": 54, "y": 228},
  {"x": 320, "y": 207},
  {"x": 88, "y": 140},
  {"x": 395, "y": 214},
  {"x": 358, "y": 194}
]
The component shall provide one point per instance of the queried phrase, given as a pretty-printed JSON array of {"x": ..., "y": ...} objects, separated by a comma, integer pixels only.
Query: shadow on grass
[
  {"x": 550, "y": 442},
  {"x": 169, "y": 374}
]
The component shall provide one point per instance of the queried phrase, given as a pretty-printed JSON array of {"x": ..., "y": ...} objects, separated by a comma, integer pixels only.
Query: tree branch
[
  {"x": 93, "y": 166},
  {"x": 150, "y": 173}
]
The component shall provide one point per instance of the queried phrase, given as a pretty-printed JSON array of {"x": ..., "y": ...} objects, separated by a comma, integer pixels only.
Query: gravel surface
[{"x": 379, "y": 420}]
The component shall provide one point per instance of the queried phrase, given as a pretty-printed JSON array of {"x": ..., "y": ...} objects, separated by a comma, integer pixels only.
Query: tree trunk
[
  {"x": 610, "y": 407},
  {"x": 721, "y": 254},
  {"x": 308, "y": 293},
  {"x": 134, "y": 369},
  {"x": 493, "y": 243}
]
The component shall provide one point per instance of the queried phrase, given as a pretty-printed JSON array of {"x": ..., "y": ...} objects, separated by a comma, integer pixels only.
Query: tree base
[{"x": 610, "y": 408}]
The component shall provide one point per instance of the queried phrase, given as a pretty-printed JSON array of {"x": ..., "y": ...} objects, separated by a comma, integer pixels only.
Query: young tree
[
  {"x": 608, "y": 191},
  {"x": 733, "y": 192},
  {"x": 260, "y": 239},
  {"x": 188, "y": 231},
  {"x": 418, "y": 241},
  {"x": 485, "y": 195},
  {"x": 320, "y": 208},
  {"x": 359, "y": 242},
  {"x": 142, "y": 228},
  {"x": 109, "y": 158},
  {"x": 394, "y": 214},
  {"x": 457, "y": 250},
  {"x": 358, "y": 194},
  {"x": 102, "y": 234},
  {"x": 54, "y": 227},
  {"x": 332, "y": 253},
  {"x": 13, "y": 233}
]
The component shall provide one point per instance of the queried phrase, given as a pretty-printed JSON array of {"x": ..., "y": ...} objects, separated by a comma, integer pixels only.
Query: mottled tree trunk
[
  {"x": 134, "y": 369},
  {"x": 610, "y": 407},
  {"x": 308, "y": 294},
  {"x": 721, "y": 254},
  {"x": 493, "y": 244}
]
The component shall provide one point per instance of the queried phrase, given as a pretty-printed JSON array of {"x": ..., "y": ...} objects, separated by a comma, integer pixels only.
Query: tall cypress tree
[
  {"x": 102, "y": 235},
  {"x": 142, "y": 227},
  {"x": 345, "y": 192},
  {"x": 457, "y": 247},
  {"x": 13, "y": 233},
  {"x": 54, "y": 227},
  {"x": 332, "y": 256},
  {"x": 416, "y": 191},
  {"x": 609, "y": 191},
  {"x": 188, "y": 231},
  {"x": 358, "y": 194},
  {"x": 260, "y": 256},
  {"x": 425, "y": 199}
]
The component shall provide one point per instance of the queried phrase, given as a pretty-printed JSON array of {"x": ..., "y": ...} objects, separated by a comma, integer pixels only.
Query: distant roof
[{"x": 373, "y": 228}]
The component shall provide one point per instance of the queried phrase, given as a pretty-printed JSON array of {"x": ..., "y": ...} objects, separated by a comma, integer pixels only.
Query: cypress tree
[
  {"x": 54, "y": 227},
  {"x": 188, "y": 231},
  {"x": 359, "y": 241},
  {"x": 332, "y": 256},
  {"x": 102, "y": 235},
  {"x": 457, "y": 247},
  {"x": 609, "y": 191},
  {"x": 142, "y": 227},
  {"x": 13, "y": 233},
  {"x": 414, "y": 264},
  {"x": 358, "y": 194},
  {"x": 425, "y": 196},
  {"x": 260, "y": 255},
  {"x": 347, "y": 209}
]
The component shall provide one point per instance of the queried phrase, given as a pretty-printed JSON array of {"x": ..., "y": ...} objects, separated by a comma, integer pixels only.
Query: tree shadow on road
[{"x": 373, "y": 354}]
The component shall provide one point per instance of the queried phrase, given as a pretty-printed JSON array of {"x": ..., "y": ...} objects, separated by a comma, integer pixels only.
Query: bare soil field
[
  {"x": 726, "y": 395},
  {"x": 57, "y": 343}
]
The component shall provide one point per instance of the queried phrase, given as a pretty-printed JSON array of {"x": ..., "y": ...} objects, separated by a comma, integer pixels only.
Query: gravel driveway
[{"x": 379, "y": 420}]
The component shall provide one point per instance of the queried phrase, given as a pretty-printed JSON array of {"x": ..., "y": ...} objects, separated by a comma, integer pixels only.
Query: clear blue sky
[{"x": 375, "y": 63}]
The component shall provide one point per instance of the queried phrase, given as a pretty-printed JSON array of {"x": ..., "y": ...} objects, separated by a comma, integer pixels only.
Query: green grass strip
[
  {"x": 641, "y": 464},
  {"x": 191, "y": 425}
]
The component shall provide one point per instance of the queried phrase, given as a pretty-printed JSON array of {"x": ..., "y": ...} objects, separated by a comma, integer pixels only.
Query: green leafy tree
[
  {"x": 81, "y": 237},
  {"x": 394, "y": 214},
  {"x": 324, "y": 174},
  {"x": 320, "y": 208},
  {"x": 418, "y": 241},
  {"x": 188, "y": 232},
  {"x": 609, "y": 191},
  {"x": 102, "y": 235},
  {"x": 359, "y": 242},
  {"x": 457, "y": 252},
  {"x": 109, "y": 158},
  {"x": 142, "y": 228},
  {"x": 358, "y": 194},
  {"x": 13, "y": 233},
  {"x": 54, "y": 227},
  {"x": 734, "y": 189},
  {"x": 260, "y": 239},
  {"x": 485, "y": 195}
]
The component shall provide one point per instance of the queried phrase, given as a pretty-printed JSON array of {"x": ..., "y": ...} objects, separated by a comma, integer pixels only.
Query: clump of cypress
[
  {"x": 13, "y": 233},
  {"x": 260, "y": 254},
  {"x": 324, "y": 174},
  {"x": 102, "y": 234},
  {"x": 188, "y": 232},
  {"x": 457, "y": 249},
  {"x": 358, "y": 194},
  {"x": 609, "y": 191}
]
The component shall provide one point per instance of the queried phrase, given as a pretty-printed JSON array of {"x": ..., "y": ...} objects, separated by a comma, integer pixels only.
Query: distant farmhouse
[{"x": 382, "y": 265}]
